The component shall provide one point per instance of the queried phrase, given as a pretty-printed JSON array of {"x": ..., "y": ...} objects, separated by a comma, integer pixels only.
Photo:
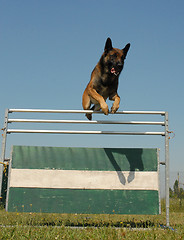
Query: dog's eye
[{"x": 114, "y": 56}]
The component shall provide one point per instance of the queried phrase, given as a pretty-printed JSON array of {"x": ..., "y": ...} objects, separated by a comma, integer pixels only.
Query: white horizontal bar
[
  {"x": 52, "y": 111},
  {"x": 83, "y": 111},
  {"x": 83, "y": 132},
  {"x": 85, "y": 121}
]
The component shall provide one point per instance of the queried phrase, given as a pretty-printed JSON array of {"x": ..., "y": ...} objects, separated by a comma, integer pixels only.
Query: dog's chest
[
  {"x": 103, "y": 91},
  {"x": 106, "y": 87}
]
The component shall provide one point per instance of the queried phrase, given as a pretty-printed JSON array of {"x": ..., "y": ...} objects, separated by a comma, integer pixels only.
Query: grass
[{"x": 82, "y": 226}]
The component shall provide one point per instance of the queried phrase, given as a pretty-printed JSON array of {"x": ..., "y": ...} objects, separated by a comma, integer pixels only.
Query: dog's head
[{"x": 113, "y": 58}]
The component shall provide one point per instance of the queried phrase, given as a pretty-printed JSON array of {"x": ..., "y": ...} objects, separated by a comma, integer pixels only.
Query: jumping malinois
[{"x": 104, "y": 80}]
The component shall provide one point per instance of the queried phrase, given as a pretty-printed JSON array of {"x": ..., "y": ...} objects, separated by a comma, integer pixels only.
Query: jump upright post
[{"x": 163, "y": 123}]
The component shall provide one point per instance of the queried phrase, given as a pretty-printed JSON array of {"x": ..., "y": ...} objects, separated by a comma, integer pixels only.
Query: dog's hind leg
[
  {"x": 95, "y": 107},
  {"x": 86, "y": 103}
]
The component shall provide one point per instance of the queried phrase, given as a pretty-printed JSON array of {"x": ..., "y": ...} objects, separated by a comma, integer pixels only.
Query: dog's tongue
[{"x": 113, "y": 70}]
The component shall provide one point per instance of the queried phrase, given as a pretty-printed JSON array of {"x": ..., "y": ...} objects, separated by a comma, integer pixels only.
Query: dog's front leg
[
  {"x": 95, "y": 97},
  {"x": 115, "y": 105}
]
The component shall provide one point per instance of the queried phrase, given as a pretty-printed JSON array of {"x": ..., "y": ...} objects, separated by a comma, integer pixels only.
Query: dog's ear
[
  {"x": 108, "y": 45},
  {"x": 125, "y": 50}
]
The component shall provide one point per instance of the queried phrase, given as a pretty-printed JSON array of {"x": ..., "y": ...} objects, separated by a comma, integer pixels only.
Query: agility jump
[{"x": 123, "y": 166}]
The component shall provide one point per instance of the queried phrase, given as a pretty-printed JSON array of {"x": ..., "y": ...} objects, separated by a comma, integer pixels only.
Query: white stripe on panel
[{"x": 76, "y": 179}]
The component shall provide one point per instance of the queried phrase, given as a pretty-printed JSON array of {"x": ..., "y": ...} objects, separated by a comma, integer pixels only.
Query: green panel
[
  {"x": 102, "y": 159},
  {"x": 83, "y": 201}
]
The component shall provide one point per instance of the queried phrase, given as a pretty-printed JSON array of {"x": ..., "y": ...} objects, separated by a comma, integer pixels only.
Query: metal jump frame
[{"x": 164, "y": 123}]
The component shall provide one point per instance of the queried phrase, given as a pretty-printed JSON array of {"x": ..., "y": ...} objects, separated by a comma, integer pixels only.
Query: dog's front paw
[
  {"x": 105, "y": 109},
  {"x": 114, "y": 109}
]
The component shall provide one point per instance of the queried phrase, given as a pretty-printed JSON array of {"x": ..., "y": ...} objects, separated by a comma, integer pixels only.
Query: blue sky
[{"x": 49, "y": 48}]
